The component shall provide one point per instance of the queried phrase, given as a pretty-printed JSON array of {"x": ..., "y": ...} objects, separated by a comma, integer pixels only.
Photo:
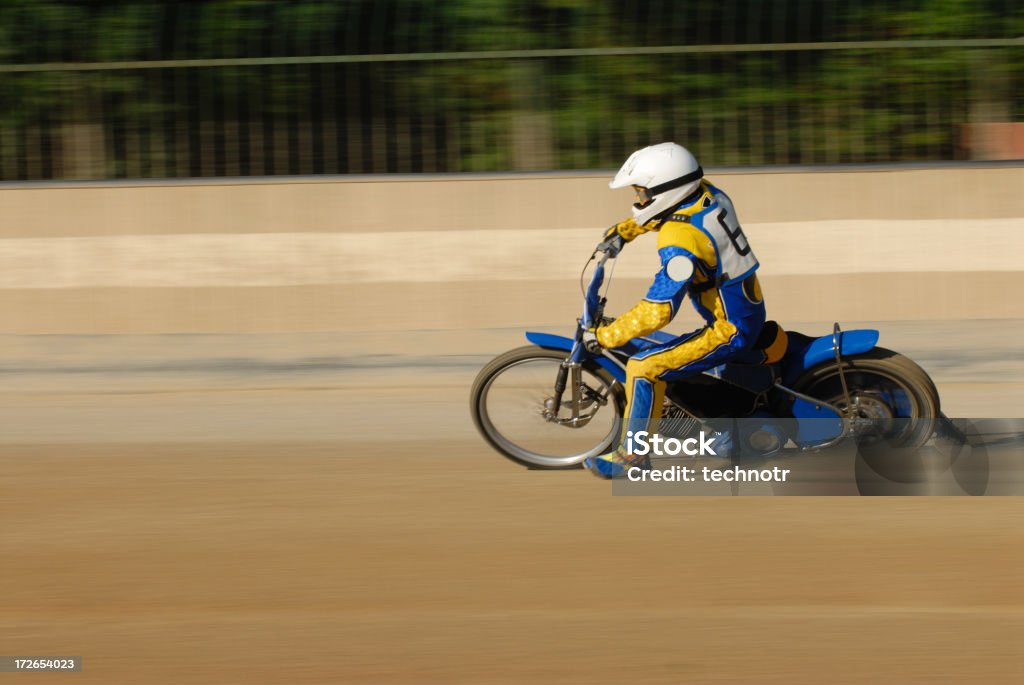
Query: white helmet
[{"x": 664, "y": 175}]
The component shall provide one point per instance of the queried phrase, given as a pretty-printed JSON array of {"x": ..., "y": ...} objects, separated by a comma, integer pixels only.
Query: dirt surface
[
  {"x": 346, "y": 562},
  {"x": 173, "y": 513}
]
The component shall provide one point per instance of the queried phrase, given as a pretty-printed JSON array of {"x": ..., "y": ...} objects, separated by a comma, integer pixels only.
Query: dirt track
[
  {"x": 352, "y": 563},
  {"x": 144, "y": 531}
]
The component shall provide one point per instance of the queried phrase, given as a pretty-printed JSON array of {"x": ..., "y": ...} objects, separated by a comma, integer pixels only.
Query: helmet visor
[{"x": 643, "y": 197}]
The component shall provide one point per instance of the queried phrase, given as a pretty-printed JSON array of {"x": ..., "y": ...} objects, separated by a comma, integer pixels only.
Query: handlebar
[
  {"x": 593, "y": 303},
  {"x": 593, "y": 306}
]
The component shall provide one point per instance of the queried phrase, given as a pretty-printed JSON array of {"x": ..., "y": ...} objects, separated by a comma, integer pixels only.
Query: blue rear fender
[
  {"x": 817, "y": 425},
  {"x": 560, "y": 342},
  {"x": 857, "y": 341}
]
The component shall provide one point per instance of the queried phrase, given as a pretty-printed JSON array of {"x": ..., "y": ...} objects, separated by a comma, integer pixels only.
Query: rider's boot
[{"x": 615, "y": 464}]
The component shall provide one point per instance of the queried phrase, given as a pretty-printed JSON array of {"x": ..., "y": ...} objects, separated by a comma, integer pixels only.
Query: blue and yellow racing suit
[{"x": 704, "y": 254}]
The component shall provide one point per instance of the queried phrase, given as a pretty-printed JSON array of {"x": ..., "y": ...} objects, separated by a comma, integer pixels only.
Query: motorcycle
[{"x": 554, "y": 403}]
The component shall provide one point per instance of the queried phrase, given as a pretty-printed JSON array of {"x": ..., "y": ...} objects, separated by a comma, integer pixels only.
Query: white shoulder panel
[{"x": 679, "y": 268}]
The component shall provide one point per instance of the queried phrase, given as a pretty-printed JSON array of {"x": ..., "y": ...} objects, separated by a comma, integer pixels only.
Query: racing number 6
[{"x": 739, "y": 241}]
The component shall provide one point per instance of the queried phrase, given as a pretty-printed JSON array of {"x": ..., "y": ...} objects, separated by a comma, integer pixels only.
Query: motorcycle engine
[{"x": 676, "y": 423}]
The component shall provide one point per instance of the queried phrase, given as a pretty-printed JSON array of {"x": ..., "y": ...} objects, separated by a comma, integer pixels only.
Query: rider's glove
[
  {"x": 612, "y": 243},
  {"x": 590, "y": 342}
]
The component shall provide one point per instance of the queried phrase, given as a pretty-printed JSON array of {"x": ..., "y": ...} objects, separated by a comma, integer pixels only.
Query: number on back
[{"x": 735, "y": 233}]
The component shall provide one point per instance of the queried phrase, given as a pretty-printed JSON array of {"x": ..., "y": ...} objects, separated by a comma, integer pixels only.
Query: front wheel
[{"x": 512, "y": 403}]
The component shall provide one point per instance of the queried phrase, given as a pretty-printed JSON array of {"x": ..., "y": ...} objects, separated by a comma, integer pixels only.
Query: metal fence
[{"x": 745, "y": 96}]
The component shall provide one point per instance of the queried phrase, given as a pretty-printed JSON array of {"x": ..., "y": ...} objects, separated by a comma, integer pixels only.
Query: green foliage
[{"x": 733, "y": 108}]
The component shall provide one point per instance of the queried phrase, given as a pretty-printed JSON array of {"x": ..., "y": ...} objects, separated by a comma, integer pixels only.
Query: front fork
[
  {"x": 560, "y": 381},
  {"x": 570, "y": 375},
  {"x": 573, "y": 364}
]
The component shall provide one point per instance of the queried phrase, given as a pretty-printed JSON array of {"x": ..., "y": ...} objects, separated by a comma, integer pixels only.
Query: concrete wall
[{"x": 486, "y": 251}]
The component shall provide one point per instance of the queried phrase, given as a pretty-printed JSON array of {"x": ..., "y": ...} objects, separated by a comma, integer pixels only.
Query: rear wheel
[
  {"x": 512, "y": 403},
  {"x": 892, "y": 401}
]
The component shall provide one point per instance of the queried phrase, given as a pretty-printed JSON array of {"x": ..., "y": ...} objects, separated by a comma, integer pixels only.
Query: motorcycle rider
[{"x": 704, "y": 254}]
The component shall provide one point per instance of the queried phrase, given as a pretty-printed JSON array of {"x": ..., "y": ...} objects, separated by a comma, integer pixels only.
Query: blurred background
[
  {"x": 94, "y": 90},
  {"x": 253, "y": 254}
]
